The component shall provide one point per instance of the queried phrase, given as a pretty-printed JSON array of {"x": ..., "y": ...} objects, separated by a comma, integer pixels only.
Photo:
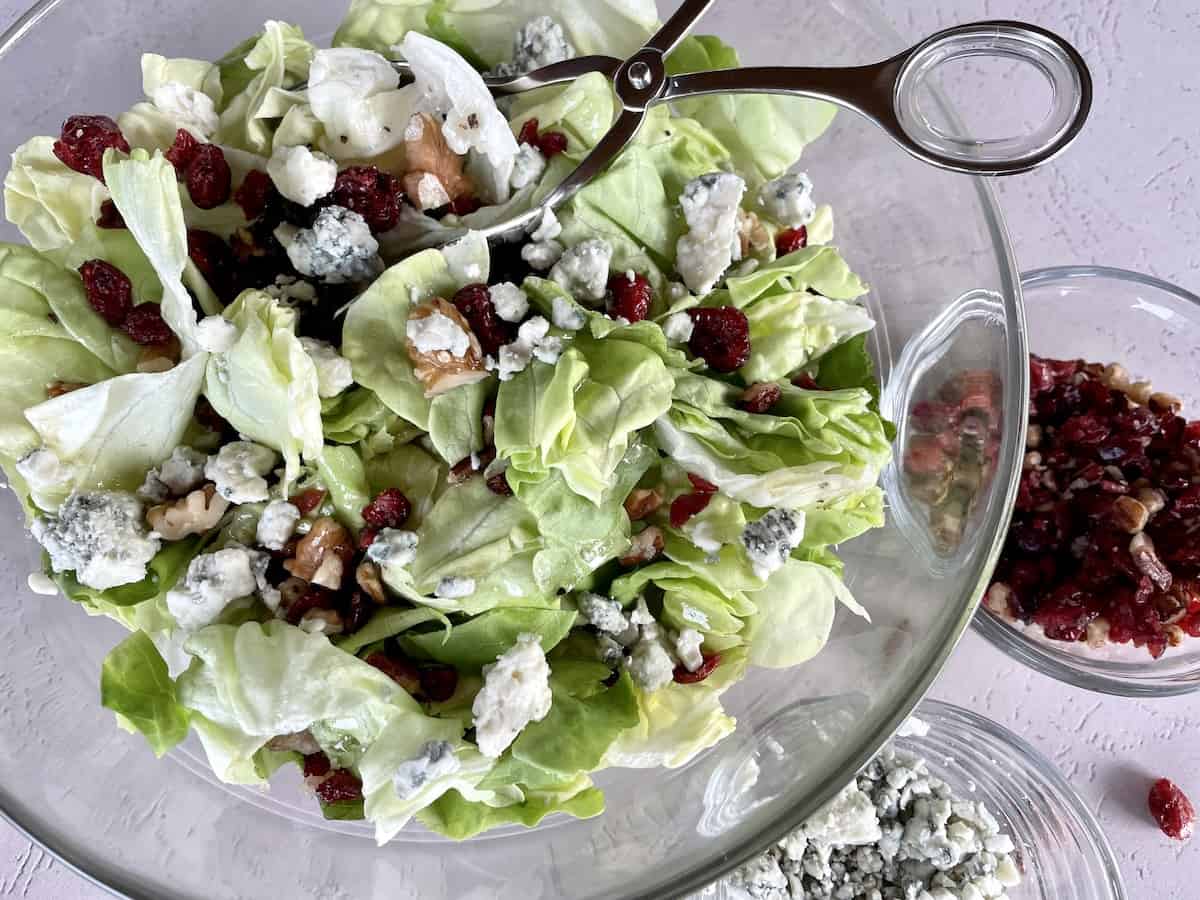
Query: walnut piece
[
  {"x": 433, "y": 173},
  {"x": 58, "y": 388},
  {"x": 198, "y": 512},
  {"x": 753, "y": 236},
  {"x": 160, "y": 357},
  {"x": 440, "y": 371},
  {"x": 322, "y": 554},
  {"x": 646, "y": 545},
  {"x": 299, "y": 742},
  {"x": 367, "y": 576},
  {"x": 641, "y": 502}
]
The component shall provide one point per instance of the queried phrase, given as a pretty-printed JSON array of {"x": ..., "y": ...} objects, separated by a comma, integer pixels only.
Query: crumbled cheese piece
[
  {"x": 548, "y": 227},
  {"x": 238, "y": 469},
  {"x": 42, "y": 470},
  {"x": 511, "y": 303},
  {"x": 533, "y": 341},
  {"x": 188, "y": 108},
  {"x": 913, "y": 727},
  {"x": 687, "y": 648},
  {"x": 603, "y": 613},
  {"x": 216, "y": 334},
  {"x": 437, "y": 331},
  {"x": 678, "y": 328},
  {"x": 608, "y": 649},
  {"x": 539, "y": 42},
  {"x": 542, "y": 255},
  {"x": 583, "y": 270},
  {"x": 516, "y": 691},
  {"x": 213, "y": 581},
  {"x": 334, "y": 373},
  {"x": 181, "y": 473},
  {"x": 770, "y": 540},
  {"x": 301, "y": 175},
  {"x": 529, "y": 166},
  {"x": 290, "y": 291},
  {"x": 710, "y": 206},
  {"x": 650, "y": 665},
  {"x": 277, "y": 524},
  {"x": 339, "y": 247},
  {"x": 641, "y": 613},
  {"x": 100, "y": 536},
  {"x": 431, "y": 193},
  {"x": 789, "y": 198},
  {"x": 41, "y": 583},
  {"x": 454, "y": 588},
  {"x": 435, "y": 760},
  {"x": 567, "y": 315},
  {"x": 393, "y": 547}
]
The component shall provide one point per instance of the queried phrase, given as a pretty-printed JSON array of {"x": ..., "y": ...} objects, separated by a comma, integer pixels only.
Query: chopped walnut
[
  {"x": 299, "y": 742},
  {"x": 997, "y": 599},
  {"x": 290, "y": 591},
  {"x": 1097, "y": 633},
  {"x": 753, "y": 236},
  {"x": 58, "y": 388},
  {"x": 642, "y": 502},
  {"x": 1141, "y": 548},
  {"x": 1161, "y": 401},
  {"x": 322, "y": 554},
  {"x": 645, "y": 546},
  {"x": 322, "y": 621},
  {"x": 1129, "y": 515},
  {"x": 367, "y": 576},
  {"x": 198, "y": 512},
  {"x": 440, "y": 371},
  {"x": 1140, "y": 391},
  {"x": 433, "y": 172},
  {"x": 159, "y": 357}
]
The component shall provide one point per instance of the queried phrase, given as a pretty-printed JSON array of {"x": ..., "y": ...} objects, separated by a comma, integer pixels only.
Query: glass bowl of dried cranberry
[{"x": 1099, "y": 581}]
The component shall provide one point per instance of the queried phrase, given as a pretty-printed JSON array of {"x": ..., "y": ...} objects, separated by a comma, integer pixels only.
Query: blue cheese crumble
[
  {"x": 438, "y": 331},
  {"x": 534, "y": 341},
  {"x": 583, "y": 270},
  {"x": 393, "y": 547},
  {"x": 710, "y": 206},
  {"x": 540, "y": 42},
  {"x": 277, "y": 524},
  {"x": 339, "y": 248},
  {"x": 301, "y": 175},
  {"x": 770, "y": 540},
  {"x": 435, "y": 760},
  {"x": 511, "y": 303},
  {"x": 100, "y": 536},
  {"x": 238, "y": 471},
  {"x": 516, "y": 691},
  {"x": 212, "y": 582},
  {"x": 789, "y": 198},
  {"x": 603, "y": 613},
  {"x": 566, "y": 315},
  {"x": 678, "y": 328},
  {"x": 529, "y": 165}
]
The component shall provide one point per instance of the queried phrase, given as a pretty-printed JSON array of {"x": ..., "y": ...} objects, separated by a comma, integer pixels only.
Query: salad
[{"x": 448, "y": 526}]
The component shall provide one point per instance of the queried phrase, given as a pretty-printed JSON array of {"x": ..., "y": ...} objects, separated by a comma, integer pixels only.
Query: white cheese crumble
[
  {"x": 539, "y": 42},
  {"x": 687, "y": 648},
  {"x": 454, "y": 587},
  {"x": 650, "y": 665},
  {"x": 301, "y": 175},
  {"x": 678, "y": 328},
  {"x": 277, "y": 524},
  {"x": 641, "y": 614},
  {"x": 180, "y": 473},
  {"x": 216, "y": 334},
  {"x": 334, "y": 373},
  {"x": 41, "y": 583},
  {"x": 710, "y": 206},
  {"x": 291, "y": 291},
  {"x": 789, "y": 198},
  {"x": 213, "y": 581},
  {"x": 602, "y": 612},
  {"x": 187, "y": 108},
  {"x": 770, "y": 540},
  {"x": 566, "y": 315},
  {"x": 548, "y": 227},
  {"x": 339, "y": 248},
  {"x": 237, "y": 470},
  {"x": 533, "y": 342},
  {"x": 516, "y": 691},
  {"x": 511, "y": 303},
  {"x": 435, "y": 760},
  {"x": 583, "y": 270},
  {"x": 542, "y": 255},
  {"x": 393, "y": 547},
  {"x": 100, "y": 536},
  {"x": 437, "y": 331},
  {"x": 529, "y": 166},
  {"x": 431, "y": 193}
]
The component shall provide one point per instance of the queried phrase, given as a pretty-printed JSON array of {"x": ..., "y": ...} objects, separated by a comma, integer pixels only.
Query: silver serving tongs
[{"x": 885, "y": 92}]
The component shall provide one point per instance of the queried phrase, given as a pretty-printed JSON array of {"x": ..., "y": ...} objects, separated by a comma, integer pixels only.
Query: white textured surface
[{"x": 1125, "y": 195}]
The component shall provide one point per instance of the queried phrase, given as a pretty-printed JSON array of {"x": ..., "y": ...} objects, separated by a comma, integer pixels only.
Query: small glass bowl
[
  {"x": 1059, "y": 847},
  {"x": 1152, "y": 328}
]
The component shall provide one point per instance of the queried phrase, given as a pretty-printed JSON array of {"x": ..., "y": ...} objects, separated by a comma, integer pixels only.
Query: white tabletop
[{"x": 1125, "y": 195}]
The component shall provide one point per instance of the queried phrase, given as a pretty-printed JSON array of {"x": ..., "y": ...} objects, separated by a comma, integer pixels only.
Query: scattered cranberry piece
[
  {"x": 110, "y": 216},
  {"x": 475, "y": 303},
  {"x": 791, "y": 240},
  {"x": 438, "y": 683},
  {"x": 209, "y": 179},
  {"x": 255, "y": 193},
  {"x": 685, "y": 506},
  {"x": 702, "y": 485},
  {"x": 552, "y": 143},
  {"x": 402, "y": 672},
  {"x": 314, "y": 597},
  {"x": 372, "y": 193},
  {"x": 498, "y": 484},
  {"x": 146, "y": 326},
  {"x": 316, "y": 764},
  {"x": 339, "y": 786},
  {"x": 1172, "y": 810},
  {"x": 182, "y": 151},
  {"x": 389, "y": 509},
  {"x": 529, "y": 133},
  {"x": 307, "y": 501},
  {"x": 806, "y": 382},
  {"x": 109, "y": 290},
  {"x": 683, "y": 676},
  {"x": 465, "y": 205},
  {"x": 630, "y": 299},
  {"x": 721, "y": 337},
  {"x": 83, "y": 142},
  {"x": 214, "y": 258},
  {"x": 759, "y": 398}
]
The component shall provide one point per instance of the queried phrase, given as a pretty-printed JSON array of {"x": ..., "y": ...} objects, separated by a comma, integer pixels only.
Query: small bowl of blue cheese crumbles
[{"x": 954, "y": 808}]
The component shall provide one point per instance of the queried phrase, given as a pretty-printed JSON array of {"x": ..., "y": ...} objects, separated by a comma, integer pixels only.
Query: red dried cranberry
[
  {"x": 255, "y": 193},
  {"x": 209, "y": 179},
  {"x": 307, "y": 501},
  {"x": 109, "y": 290},
  {"x": 110, "y": 216},
  {"x": 1191, "y": 435},
  {"x": 83, "y": 142},
  {"x": 791, "y": 240},
  {"x": 1172, "y": 810},
  {"x": 215, "y": 260},
  {"x": 316, "y": 764},
  {"x": 759, "y": 398},
  {"x": 498, "y": 484},
  {"x": 630, "y": 299},
  {"x": 182, "y": 151},
  {"x": 389, "y": 509},
  {"x": 146, "y": 326},
  {"x": 340, "y": 786},
  {"x": 1084, "y": 431},
  {"x": 373, "y": 194},
  {"x": 465, "y": 205},
  {"x": 400, "y": 671},
  {"x": 475, "y": 303},
  {"x": 721, "y": 337},
  {"x": 357, "y": 612},
  {"x": 686, "y": 506},
  {"x": 438, "y": 683},
  {"x": 702, "y": 485},
  {"x": 806, "y": 382},
  {"x": 683, "y": 676},
  {"x": 314, "y": 597},
  {"x": 552, "y": 143},
  {"x": 529, "y": 133}
]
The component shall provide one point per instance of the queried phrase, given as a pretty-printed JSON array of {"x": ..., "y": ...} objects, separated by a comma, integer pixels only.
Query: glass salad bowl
[{"x": 945, "y": 294}]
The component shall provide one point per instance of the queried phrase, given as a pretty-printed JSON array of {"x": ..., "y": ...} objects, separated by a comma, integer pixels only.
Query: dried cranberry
[
  {"x": 498, "y": 484},
  {"x": 791, "y": 240},
  {"x": 1086, "y": 431},
  {"x": 1187, "y": 502},
  {"x": 683, "y": 676},
  {"x": 438, "y": 683},
  {"x": 145, "y": 325},
  {"x": 702, "y": 485},
  {"x": 400, "y": 671},
  {"x": 1172, "y": 810},
  {"x": 389, "y": 509},
  {"x": 109, "y": 290},
  {"x": 255, "y": 193},
  {"x": 529, "y": 133},
  {"x": 340, "y": 786},
  {"x": 83, "y": 142},
  {"x": 630, "y": 299},
  {"x": 314, "y": 597},
  {"x": 215, "y": 260},
  {"x": 307, "y": 501},
  {"x": 806, "y": 382},
  {"x": 357, "y": 612},
  {"x": 316, "y": 764},
  {"x": 1191, "y": 435},
  {"x": 759, "y": 398},
  {"x": 209, "y": 179},
  {"x": 182, "y": 151},
  {"x": 721, "y": 337},
  {"x": 372, "y": 193},
  {"x": 475, "y": 303},
  {"x": 552, "y": 143},
  {"x": 686, "y": 506},
  {"x": 110, "y": 216},
  {"x": 465, "y": 205}
]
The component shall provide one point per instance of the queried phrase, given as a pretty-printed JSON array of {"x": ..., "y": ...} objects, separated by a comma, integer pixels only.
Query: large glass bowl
[{"x": 934, "y": 248}]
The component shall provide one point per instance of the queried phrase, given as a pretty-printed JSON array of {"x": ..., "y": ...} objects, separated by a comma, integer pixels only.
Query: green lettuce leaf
[
  {"x": 690, "y": 600},
  {"x": 345, "y": 478},
  {"x": 421, "y": 477},
  {"x": 795, "y": 615},
  {"x": 480, "y": 640},
  {"x": 135, "y": 685},
  {"x": 51, "y": 204},
  {"x": 455, "y": 817},
  {"x": 456, "y": 422},
  {"x": 387, "y": 623}
]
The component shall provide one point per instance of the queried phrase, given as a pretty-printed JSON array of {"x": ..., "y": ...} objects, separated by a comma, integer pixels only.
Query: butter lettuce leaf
[{"x": 134, "y": 684}]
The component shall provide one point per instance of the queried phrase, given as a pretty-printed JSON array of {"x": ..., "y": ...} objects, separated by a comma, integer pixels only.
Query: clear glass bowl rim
[{"x": 1091, "y": 675}]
